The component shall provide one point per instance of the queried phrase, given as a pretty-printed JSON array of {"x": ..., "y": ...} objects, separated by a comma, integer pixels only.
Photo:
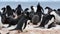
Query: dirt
[{"x": 34, "y": 31}]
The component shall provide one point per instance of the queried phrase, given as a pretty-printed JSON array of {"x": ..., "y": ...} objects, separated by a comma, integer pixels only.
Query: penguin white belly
[
  {"x": 1, "y": 24},
  {"x": 57, "y": 18}
]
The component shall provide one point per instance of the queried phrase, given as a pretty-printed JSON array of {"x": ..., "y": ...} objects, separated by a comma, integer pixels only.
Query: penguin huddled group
[{"x": 20, "y": 17}]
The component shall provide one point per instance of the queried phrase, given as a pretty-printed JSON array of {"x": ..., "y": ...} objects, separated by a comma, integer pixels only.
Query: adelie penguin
[{"x": 22, "y": 21}]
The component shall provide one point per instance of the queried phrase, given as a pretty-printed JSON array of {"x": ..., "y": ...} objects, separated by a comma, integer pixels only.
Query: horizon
[
  {"x": 53, "y": 5},
  {"x": 29, "y": 0}
]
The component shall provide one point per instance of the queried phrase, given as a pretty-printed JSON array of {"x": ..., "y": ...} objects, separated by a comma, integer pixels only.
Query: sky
[{"x": 29, "y": 0}]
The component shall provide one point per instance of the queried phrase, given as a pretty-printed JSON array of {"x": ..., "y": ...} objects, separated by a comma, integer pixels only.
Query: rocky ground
[
  {"x": 41, "y": 31},
  {"x": 30, "y": 30}
]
